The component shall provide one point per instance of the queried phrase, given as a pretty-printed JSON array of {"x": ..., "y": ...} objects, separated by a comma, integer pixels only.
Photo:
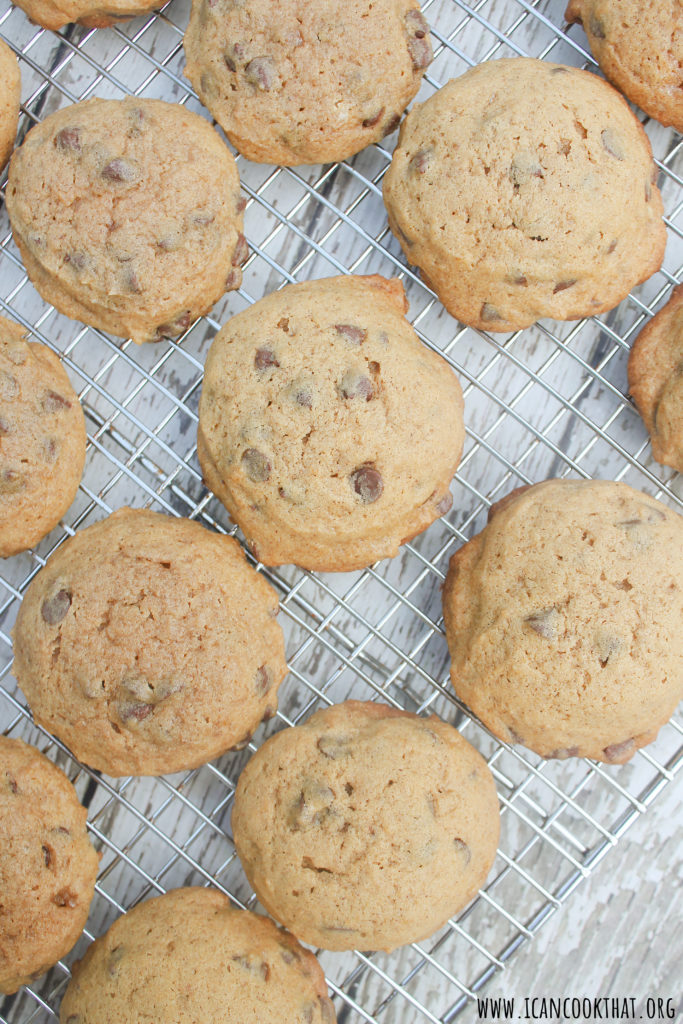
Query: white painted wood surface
[{"x": 547, "y": 402}]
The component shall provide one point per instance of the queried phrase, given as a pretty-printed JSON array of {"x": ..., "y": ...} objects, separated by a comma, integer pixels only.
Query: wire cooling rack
[{"x": 549, "y": 401}]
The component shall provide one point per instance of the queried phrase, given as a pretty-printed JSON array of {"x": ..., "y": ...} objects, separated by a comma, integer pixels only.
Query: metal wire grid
[{"x": 549, "y": 401}]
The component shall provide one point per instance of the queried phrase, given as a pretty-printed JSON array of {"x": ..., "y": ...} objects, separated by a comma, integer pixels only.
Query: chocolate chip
[
  {"x": 367, "y": 483},
  {"x": 114, "y": 959},
  {"x": 612, "y": 143},
  {"x": 616, "y": 751},
  {"x": 518, "y": 279},
  {"x": 49, "y": 450},
  {"x": 54, "y": 402},
  {"x": 136, "y": 117},
  {"x": 391, "y": 125},
  {"x": 11, "y": 482},
  {"x": 132, "y": 282},
  {"x": 489, "y": 313},
  {"x": 612, "y": 247},
  {"x": 544, "y": 622},
  {"x": 5, "y": 428},
  {"x": 77, "y": 260},
  {"x": 260, "y": 72},
  {"x": 65, "y": 898},
  {"x": 356, "y": 385},
  {"x": 370, "y": 122},
  {"x": 68, "y": 139},
  {"x": 233, "y": 280},
  {"x": 263, "y": 680},
  {"x": 269, "y": 713},
  {"x": 607, "y": 644},
  {"x": 563, "y": 753},
  {"x": 48, "y": 856},
  {"x": 175, "y": 327},
  {"x": 463, "y": 850},
  {"x": 444, "y": 504},
  {"x": 312, "y": 805},
  {"x": 265, "y": 358},
  {"x": 252, "y": 964},
  {"x": 303, "y": 396},
  {"x": 241, "y": 253},
  {"x": 54, "y": 609},
  {"x": 12, "y": 783},
  {"x": 420, "y": 162},
  {"x": 419, "y": 43},
  {"x": 524, "y": 167},
  {"x": 202, "y": 218},
  {"x": 235, "y": 56},
  {"x": 134, "y": 711},
  {"x": 120, "y": 170},
  {"x": 334, "y": 747},
  {"x": 596, "y": 27},
  {"x": 9, "y": 387},
  {"x": 256, "y": 465},
  {"x": 354, "y": 335},
  {"x": 562, "y": 286}
]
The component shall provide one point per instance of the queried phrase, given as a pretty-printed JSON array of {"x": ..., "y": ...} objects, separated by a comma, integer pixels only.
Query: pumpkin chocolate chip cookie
[
  {"x": 326, "y": 428},
  {"x": 54, "y": 14},
  {"x": 366, "y": 827},
  {"x": 10, "y": 96},
  {"x": 640, "y": 49},
  {"x": 655, "y": 380},
  {"x": 306, "y": 81},
  {"x": 525, "y": 189},
  {"x": 128, "y": 216},
  {"x": 42, "y": 440},
  {"x": 563, "y": 619},
  {"x": 148, "y": 645},
  {"x": 47, "y": 865},
  {"x": 189, "y": 957}
]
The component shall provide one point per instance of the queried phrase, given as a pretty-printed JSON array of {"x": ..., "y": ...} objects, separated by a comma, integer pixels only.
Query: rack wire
[{"x": 549, "y": 401}]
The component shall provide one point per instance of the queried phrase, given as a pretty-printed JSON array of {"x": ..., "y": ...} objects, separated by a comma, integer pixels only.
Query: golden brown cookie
[
  {"x": 10, "y": 98},
  {"x": 190, "y": 958},
  {"x": 329, "y": 432},
  {"x": 524, "y": 189},
  {"x": 127, "y": 214},
  {"x": 42, "y": 440},
  {"x": 148, "y": 645},
  {"x": 366, "y": 827},
  {"x": 639, "y": 46},
  {"x": 563, "y": 619},
  {"x": 47, "y": 865},
  {"x": 306, "y": 81},
  {"x": 655, "y": 380},
  {"x": 54, "y": 14}
]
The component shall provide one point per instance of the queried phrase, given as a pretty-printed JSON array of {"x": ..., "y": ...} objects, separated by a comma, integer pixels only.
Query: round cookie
[
  {"x": 10, "y": 98},
  {"x": 326, "y": 428},
  {"x": 563, "y": 619},
  {"x": 366, "y": 827},
  {"x": 189, "y": 957},
  {"x": 42, "y": 440},
  {"x": 148, "y": 645},
  {"x": 127, "y": 214},
  {"x": 54, "y": 14},
  {"x": 655, "y": 380},
  {"x": 306, "y": 81},
  {"x": 47, "y": 865},
  {"x": 524, "y": 189},
  {"x": 640, "y": 49}
]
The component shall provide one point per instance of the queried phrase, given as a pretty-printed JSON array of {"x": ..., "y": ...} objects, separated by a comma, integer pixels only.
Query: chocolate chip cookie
[
  {"x": 128, "y": 216},
  {"x": 42, "y": 440},
  {"x": 10, "y": 97},
  {"x": 563, "y": 619},
  {"x": 54, "y": 14},
  {"x": 326, "y": 428},
  {"x": 655, "y": 380},
  {"x": 366, "y": 827},
  {"x": 640, "y": 49},
  {"x": 47, "y": 865},
  {"x": 148, "y": 645},
  {"x": 306, "y": 81},
  {"x": 525, "y": 189},
  {"x": 189, "y": 957}
]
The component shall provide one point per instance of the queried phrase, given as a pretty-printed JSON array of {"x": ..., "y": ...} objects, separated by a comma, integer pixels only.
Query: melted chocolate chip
[
  {"x": 12, "y": 783},
  {"x": 77, "y": 260},
  {"x": 65, "y": 898},
  {"x": 134, "y": 711},
  {"x": 241, "y": 254},
  {"x": 616, "y": 751},
  {"x": 11, "y": 481},
  {"x": 463, "y": 850},
  {"x": 265, "y": 358},
  {"x": 370, "y": 122},
  {"x": 392, "y": 124},
  {"x": 9, "y": 386},
  {"x": 444, "y": 504},
  {"x": 263, "y": 681},
  {"x": 260, "y": 72},
  {"x": 354, "y": 335},
  {"x": 612, "y": 144},
  {"x": 368, "y": 484},
  {"x": 334, "y": 747},
  {"x": 233, "y": 280},
  {"x": 5, "y": 427},
  {"x": 489, "y": 313},
  {"x": 419, "y": 43},
  {"x": 176, "y": 327},
  {"x": 54, "y": 609},
  {"x": 54, "y": 402},
  {"x": 114, "y": 959},
  {"x": 544, "y": 622},
  {"x": 420, "y": 162},
  {"x": 68, "y": 140},
  {"x": 256, "y": 465},
  {"x": 120, "y": 170},
  {"x": 564, "y": 752},
  {"x": 562, "y": 286},
  {"x": 596, "y": 27},
  {"x": 48, "y": 856},
  {"x": 356, "y": 385}
]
